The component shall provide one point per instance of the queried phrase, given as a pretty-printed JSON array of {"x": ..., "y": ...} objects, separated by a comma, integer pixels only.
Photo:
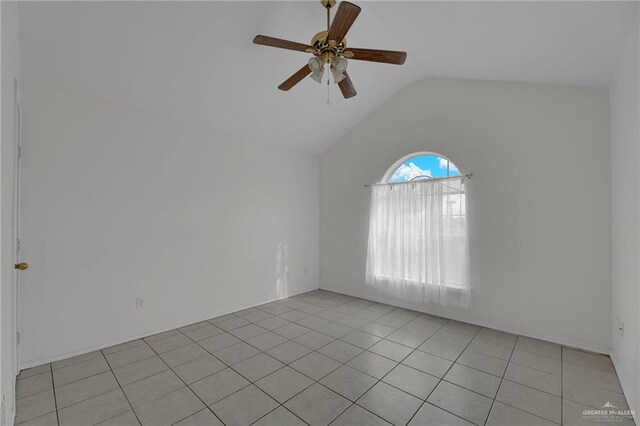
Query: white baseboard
[
  {"x": 632, "y": 400},
  {"x": 564, "y": 342},
  {"x": 40, "y": 361}
]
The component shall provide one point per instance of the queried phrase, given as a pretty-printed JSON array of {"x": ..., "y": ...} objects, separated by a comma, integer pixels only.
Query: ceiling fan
[{"x": 329, "y": 49}]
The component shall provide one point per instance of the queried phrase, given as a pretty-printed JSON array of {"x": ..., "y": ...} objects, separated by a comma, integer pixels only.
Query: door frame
[{"x": 17, "y": 154}]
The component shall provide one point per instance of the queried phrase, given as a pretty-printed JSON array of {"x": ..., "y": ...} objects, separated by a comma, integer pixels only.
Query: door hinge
[
  {"x": 18, "y": 337},
  {"x": 19, "y": 151}
]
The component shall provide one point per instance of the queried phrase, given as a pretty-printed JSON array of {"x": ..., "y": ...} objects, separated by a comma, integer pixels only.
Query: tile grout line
[
  {"x": 442, "y": 378},
  {"x": 94, "y": 396},
  {"x": 183, "y": 382},
  {"x": 260, "y": 352},
  {"x": 529, "y": 387},
  {"x": 121, "y": 390},
  {"x": 75, "y": 381},
  {"x": 501, "y": 380},
  {"x": 265, "y": 352},
  {"x": 112, "y": 371},
  {"x": 102, "y": 372},
  {"x": 252, "y": 382},
  {"x": 535, "y": 389},
  {"x": 385, "y": 375},
  {"x": 55, "y": 401}
]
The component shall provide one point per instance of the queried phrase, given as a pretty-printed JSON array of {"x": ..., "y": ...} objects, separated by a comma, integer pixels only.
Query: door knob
[{"x": 22, "y": 266}]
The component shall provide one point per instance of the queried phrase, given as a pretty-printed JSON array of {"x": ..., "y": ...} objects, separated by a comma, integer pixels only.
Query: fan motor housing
[
  {"x": 327, "y": 48},
  {"x": 328, "y": 3}
]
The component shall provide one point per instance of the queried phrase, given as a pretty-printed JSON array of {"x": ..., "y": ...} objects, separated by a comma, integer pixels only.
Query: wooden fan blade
[
  {"x": 280, "y": 43},
  {"x": 346, "y": 87},
  {"x": 295, "y": 78},
  {"x": 345, "y": 17},
  {"x": 375, "y": 55}
]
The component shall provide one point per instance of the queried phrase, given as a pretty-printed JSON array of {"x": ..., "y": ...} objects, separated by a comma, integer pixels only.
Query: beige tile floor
[{"x": 323, "y": 358}]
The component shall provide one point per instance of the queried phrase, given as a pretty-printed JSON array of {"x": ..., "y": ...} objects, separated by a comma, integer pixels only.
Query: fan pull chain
[{"x": 328, "y": 88}]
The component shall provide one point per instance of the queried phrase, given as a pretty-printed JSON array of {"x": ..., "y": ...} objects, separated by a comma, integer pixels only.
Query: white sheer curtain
[{"x": 418, "y": 242}]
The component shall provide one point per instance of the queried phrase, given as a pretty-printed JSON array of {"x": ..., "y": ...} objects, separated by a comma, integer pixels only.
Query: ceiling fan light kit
[{"x": 329, "y": 49}]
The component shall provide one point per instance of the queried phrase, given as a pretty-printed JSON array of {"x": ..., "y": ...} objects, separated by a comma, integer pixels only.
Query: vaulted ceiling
[{"x": 194, "y": 61}]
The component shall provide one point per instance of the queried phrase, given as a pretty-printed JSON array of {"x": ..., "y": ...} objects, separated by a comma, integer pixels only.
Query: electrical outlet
[
  {"x": 620, "y": 327},
  {"x": 139, "y": 302}
]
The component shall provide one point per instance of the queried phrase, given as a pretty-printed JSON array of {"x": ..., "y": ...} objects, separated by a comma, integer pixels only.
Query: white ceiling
[{"x": 195, "y": 61}]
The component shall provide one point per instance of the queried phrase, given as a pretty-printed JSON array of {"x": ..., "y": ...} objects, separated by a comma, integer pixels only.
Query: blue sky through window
[{"x": 424, "y": 165}]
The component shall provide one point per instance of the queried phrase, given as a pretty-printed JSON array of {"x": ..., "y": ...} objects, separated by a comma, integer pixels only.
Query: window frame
[{"x": 453, "y": 286}]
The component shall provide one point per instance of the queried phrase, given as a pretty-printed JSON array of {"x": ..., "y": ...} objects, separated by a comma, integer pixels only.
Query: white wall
[
  {"x": 119, "y": 203},
  {"x": 624, "y": 95},
  {"x": 10, "y": 71},
  {"x": 539, "y": 201}
]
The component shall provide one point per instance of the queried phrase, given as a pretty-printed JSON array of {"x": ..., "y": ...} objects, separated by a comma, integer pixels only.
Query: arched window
[
  {"x": 418, "y": 230},
  {"x": 421, "y": 166}
]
